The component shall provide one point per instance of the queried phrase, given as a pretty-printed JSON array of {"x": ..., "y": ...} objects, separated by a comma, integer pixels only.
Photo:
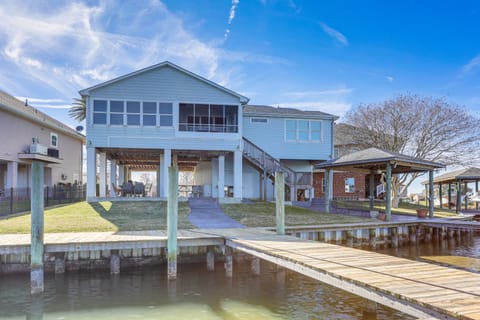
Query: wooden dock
[{"x": 420, "y": 289}]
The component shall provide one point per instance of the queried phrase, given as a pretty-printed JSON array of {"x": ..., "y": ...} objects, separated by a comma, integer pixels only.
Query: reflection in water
[{"x": 145, "y": 293}]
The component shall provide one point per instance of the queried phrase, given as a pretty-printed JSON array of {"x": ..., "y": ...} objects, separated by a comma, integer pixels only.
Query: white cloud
[
  {"x": 232, "y": 10},
  {"x": 39, "y": 100},
  {"x": 337, "y": 35},
  {"x": 472, "y": 65},
  {"x": 303, "y": 94},
  {"x": 389, "y": 78}
]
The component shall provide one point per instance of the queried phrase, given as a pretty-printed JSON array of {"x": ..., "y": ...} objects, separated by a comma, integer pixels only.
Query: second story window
[
  {"x": 149, "y": 114},
  {"x": 116, "y": 112},
  {"x": 166, "y": 114},
  {"x": 133, "y": 113},
  {"x": 303, "y": 130},
  {"x": 208, "y": 118},
  {"x": 99, "y": 111}
]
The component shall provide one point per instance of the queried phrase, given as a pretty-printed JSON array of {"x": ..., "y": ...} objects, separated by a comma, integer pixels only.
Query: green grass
[
  {"x": 404, "y": 208},
  {"x": 101, "y": 216},
  {"x": 260, "y": 214}
]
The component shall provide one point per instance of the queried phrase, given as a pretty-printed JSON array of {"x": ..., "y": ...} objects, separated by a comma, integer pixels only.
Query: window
[
  {"x": 208, "y": 118},
  {"x": 303, "y": 130},
  {"x": 350, "y": 185},
  {"x": 116, "y": 112},
  {"x": 259, "y": 120},
  {"x": 166, "y": 114},
  {"x": 99, "y": 112},
  {"x": 149, "y": 114},
  {"x": 53, "y": 140},
  {"x": 133, "y": 113}
]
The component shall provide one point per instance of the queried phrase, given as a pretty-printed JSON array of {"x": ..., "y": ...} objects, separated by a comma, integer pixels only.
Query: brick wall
[{"x": 339, "y": 184}]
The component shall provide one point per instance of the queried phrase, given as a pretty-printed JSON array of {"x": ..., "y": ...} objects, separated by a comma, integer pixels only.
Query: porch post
[
  {"x": 103, "y": 174},
  {"x": 476, "y": 191},
  {"x": 12, "y": 174},
  {"x": 327, "y": 190},
  {"x": 221, "y": 176},
  {"x": 160, "y": 174},
  {"x": 237, "y": 174},
  {"x": 215, "y": 176},
  {"x": 388, "y": 195},
  {"x": 113, "y": 178},
  {"x": 91, "y": 173},
  {"x": 430, "y": 193},
  {"x": 36, "y": 247},
  {"x": 440, "y": 194},
  {"x": 449, "y": 196},
  {"x": 372, "y": 189},
  {"x": 121, "y": 174},
  {"x": 465, "y": 192},
  {"x": 458, "y": 203},
  {"x": 167, "y": 161}
]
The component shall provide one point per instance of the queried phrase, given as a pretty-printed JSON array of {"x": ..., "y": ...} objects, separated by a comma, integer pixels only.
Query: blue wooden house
[{"x": 165, "y": 115}]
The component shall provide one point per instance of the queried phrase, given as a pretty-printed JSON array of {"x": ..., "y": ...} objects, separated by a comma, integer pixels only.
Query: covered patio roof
[
  {"x": 471, "y": 174},
  {"x": 375, "y": 160}
]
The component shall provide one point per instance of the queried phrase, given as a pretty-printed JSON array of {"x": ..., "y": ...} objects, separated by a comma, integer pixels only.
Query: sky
[{"x": 313, "y": 55}]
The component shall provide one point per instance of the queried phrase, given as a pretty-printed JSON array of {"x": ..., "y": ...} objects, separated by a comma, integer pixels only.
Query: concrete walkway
[{"x": 207, "y": 214}]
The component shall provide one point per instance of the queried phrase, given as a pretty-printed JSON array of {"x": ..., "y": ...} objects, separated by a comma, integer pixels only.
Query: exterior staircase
[{"x": 268, "y": 165}]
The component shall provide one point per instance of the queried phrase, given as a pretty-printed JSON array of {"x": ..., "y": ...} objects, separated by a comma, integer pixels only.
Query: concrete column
[
  {"x": 228, "y": 263},
  {"x": 91, "y": 173},
  {"x": 160, "y": 174},
  {"x": 237, "y": 174},
  {"x": 172, "y": 222},
  {"x": 388, "y": 194},
  {"x": 327, "y": 194},
  {"x": 36, "y": 247},
  {"x": 113, "y": 178},
  {"x": 280, "y": 202},
  {"x": 215, "y": 176},
  {"x": 167, "y": 161},
  {"x": 430, "y": 193},
  {"x": 221, "y": 176},
  {"x": 12, "y": 174},
  {"x": 103, "y": 174},
  {"x": 121, "y": 174}
]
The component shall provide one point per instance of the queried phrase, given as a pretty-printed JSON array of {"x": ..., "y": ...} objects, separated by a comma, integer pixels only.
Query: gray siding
[{"x": 271, "y": 137}]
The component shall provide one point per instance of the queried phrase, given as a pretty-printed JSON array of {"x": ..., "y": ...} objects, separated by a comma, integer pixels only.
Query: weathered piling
[
  {"x": 280, "y": 202},
  {"x": 172, "y": 222},
  {"x": 36, "y": 248}
]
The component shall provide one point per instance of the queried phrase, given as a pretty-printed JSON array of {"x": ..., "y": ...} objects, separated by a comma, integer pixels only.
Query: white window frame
[
  {"x": 347, "y": 190},
  {"x": 297, "y": 137}
]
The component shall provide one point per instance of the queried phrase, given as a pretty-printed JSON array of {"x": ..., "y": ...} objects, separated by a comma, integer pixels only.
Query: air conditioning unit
[
  {"x": 53, "y": 153},
  {"x": 38, "y": 149}
]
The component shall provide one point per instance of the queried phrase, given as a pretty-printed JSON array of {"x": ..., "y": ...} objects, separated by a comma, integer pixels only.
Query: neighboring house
[
  {"x": 25, "y": 130},
  {"x": 163, "y": 115},
  {"x": 346, "y": 185}
]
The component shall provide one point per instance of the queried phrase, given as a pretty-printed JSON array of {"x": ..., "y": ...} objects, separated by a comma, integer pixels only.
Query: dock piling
[
  {"x": 36, "y": 247},
  {"x": 280, "y": 202},
  {"x": 172, "y": 222}
]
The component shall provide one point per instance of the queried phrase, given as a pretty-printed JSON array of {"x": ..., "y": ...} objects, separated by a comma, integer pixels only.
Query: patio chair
[
  {"x": 127, "y": 189},
  {"x": 139, "y": 189}
]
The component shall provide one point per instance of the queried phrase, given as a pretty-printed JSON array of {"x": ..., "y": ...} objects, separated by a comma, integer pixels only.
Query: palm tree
[{"x": 78, "y": 111}]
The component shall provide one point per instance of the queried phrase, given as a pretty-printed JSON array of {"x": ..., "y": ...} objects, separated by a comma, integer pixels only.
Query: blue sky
[{"x": 319, "y": 55}]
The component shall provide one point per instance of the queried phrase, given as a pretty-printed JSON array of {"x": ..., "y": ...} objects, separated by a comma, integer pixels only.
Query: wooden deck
[{"x": 421, "y": 289}]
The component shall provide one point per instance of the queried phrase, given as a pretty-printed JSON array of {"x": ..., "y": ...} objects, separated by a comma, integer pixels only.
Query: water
[{"x": 144, "y": 293}]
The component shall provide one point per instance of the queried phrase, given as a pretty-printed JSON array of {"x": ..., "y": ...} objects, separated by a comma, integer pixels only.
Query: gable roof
[
  {"x": 11, "y": 104},
  {"x": 376, "y": 159},
  {"x": 465, "y": 175},
  {"x": 86, "y": 92},
  {"x": 269, "y": 111}
]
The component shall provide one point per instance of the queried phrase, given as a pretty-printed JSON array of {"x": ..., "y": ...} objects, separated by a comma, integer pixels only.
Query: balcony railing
[{"x": 226, "y": 128}]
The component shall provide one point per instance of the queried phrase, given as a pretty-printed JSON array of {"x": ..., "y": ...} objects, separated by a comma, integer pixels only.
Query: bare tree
[{"x": 423, "y": 127}]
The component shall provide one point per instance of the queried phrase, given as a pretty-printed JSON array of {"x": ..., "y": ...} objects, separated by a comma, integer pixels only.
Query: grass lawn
[
  {"x": 101, "y": 216},
  {"x": 261, "y": 214},
  {"x": 404, "y": 208}
]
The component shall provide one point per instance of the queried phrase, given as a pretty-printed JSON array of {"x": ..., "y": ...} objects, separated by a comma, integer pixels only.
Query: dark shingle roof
[
  {"x": 285, "y": 112},
  {"x": 374, "y": 158},
  {"x": 467, "y": 174}
]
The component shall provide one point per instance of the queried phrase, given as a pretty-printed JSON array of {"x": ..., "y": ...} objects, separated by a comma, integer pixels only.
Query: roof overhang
[{"x": 86, "y": 92}]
